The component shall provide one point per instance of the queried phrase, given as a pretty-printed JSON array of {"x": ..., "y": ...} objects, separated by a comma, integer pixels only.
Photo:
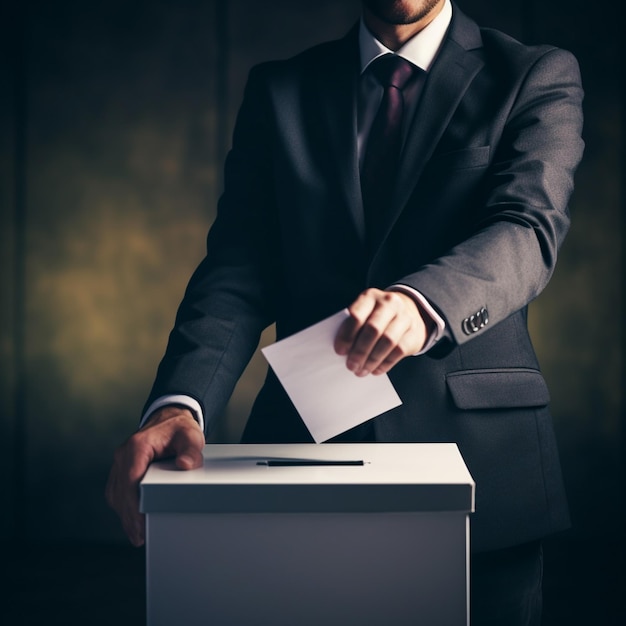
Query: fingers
[
  {"x": 170, "y": 432},
  {"x": 383, "y": 328},
  {"x": 389, "y": 348},
  {"x": 130, "y": 463},
  {"x": 348, "y": 332}
]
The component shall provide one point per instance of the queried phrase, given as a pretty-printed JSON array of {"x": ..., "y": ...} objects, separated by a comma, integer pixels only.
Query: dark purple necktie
[{"x": 380, "y": 163}]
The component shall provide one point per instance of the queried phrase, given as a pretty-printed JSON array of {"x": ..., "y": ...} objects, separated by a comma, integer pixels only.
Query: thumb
[{"x": 187, "y": 445}]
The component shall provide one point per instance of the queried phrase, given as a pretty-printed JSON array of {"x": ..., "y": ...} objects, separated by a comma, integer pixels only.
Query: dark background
[{"x": 114, "y": 121}]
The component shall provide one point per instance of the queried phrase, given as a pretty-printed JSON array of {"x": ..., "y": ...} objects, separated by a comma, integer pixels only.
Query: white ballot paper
[{"x": 328, "y": 396}]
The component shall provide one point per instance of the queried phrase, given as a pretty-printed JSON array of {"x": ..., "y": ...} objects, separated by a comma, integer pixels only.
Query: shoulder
[
  {"x": 505, "y": 54},
  {"x": 501, "y": 47},
  {"x": 532, "y": 72}
]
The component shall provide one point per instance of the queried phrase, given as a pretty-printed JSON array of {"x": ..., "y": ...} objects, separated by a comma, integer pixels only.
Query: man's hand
[
  {"x": 383, "y": 328},
  {"x": 170, "y": 431}
]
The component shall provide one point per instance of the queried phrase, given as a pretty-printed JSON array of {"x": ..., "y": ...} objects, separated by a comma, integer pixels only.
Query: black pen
[{"x": 305, "y": 463}]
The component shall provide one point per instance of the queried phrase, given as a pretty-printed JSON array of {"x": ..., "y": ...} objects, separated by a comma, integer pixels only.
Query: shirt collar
[{"x": 420, "y": 50}]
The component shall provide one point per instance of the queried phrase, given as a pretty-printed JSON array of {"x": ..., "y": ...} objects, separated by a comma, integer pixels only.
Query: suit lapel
[
  {"x": 445, "y": 86},
  {"x": 338, "y": 89}
]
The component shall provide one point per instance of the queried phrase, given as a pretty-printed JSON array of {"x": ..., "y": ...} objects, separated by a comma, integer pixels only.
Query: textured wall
[{"x": 113, "y": 131}]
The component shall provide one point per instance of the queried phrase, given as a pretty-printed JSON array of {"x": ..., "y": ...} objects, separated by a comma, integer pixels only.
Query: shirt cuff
[
  {"x": 438, "y": 327},
  {"x": 181, "y": 400}
]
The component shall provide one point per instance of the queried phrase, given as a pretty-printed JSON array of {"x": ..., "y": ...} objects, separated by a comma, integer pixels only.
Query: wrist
[
  {"x": 167, "y": 412},
  {"x": 434, "y": 323}
]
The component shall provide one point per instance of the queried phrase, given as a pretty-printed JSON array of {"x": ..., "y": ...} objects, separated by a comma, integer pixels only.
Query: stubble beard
[{"x": 396, "y": 12}]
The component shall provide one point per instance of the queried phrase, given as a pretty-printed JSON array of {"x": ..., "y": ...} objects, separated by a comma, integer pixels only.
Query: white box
[{"x": 237, "y": 543}]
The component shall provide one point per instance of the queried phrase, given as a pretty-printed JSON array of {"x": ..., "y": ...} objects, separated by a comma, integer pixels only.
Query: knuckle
[
  {"x": 385, "y": 344},
  {"x": 185, "y": 437},
  {"x": 370, "y": 331},
  {"x": 394, "y": 355},
  {"x": 399, "y": 352},
  {"x": 190, "y": 435},
  {"x": 357, "y": 316},
  {"x": 393, "y": 298},
  {"x": 134, "y": 446},
  {"x": 197, "y": 435}
]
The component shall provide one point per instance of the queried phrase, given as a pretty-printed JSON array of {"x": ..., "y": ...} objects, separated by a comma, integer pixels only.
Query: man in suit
[{"x": 433, "y": 207}]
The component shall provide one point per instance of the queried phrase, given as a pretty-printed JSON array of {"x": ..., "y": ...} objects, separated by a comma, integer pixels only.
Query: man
[{"x": 433, "y": 206}]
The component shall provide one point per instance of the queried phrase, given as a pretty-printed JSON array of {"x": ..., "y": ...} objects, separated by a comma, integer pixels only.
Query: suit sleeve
[
  {"x": 230, "y": 298},
  {"x": 510, "y": 256}
]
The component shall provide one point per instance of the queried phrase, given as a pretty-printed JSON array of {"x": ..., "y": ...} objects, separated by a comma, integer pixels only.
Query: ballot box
[{"x": 310, "y": 535}]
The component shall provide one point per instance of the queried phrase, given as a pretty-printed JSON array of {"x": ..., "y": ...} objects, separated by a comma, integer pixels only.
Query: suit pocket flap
[{"x": 498, "y": 388}]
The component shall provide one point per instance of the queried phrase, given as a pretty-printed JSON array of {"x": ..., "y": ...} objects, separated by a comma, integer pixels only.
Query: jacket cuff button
[{"x": 475, "y": 322}]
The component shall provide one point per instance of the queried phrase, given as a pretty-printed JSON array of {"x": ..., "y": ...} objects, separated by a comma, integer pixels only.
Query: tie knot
[{"x": 392, "y": 70}]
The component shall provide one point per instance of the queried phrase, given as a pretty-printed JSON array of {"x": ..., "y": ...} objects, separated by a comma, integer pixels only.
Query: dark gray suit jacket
[{"x": 478, "y": 215}]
